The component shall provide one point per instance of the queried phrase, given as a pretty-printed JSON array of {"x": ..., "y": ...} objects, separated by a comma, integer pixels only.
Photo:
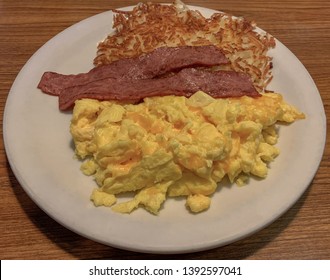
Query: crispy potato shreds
[{"x": 149, "y": 26}]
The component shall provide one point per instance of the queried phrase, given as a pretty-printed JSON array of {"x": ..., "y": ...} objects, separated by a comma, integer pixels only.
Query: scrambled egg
[{"x": 175, "y": 146}]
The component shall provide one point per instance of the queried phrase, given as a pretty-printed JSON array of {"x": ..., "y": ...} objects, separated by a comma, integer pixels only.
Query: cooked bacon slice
[
  {"x": 156, "y": 63},
  {"x": 217, "y": 84}
]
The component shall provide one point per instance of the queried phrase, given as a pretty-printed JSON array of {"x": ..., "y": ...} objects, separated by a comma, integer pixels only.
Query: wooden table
[{"x": 301, "y": 233}]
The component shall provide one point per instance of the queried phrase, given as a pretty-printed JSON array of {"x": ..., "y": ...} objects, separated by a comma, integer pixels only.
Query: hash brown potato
[{"x": 151, "y": 25}]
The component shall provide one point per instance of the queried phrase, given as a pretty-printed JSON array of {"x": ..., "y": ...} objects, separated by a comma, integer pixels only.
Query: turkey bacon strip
[
  {"x": 218, "y": 84},
  {"x": 156, "y": 63}
]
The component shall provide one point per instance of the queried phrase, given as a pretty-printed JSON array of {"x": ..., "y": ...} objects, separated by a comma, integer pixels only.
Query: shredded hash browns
[{"x": 149, "y": 26}]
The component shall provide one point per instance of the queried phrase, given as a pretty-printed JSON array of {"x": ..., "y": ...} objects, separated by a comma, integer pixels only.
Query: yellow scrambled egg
[{"x": 175, "y": 146}]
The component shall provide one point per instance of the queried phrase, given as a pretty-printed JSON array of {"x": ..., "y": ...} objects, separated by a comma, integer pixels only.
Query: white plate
[{"x": 40, "y": 152}]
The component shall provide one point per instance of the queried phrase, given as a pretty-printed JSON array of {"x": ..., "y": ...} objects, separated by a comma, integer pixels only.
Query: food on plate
[
  {"x": 173, "y": 146},
  {"x": 154, "y": 74},
  {"x": 151, "y": 25},
  {"x": 176, "y": 103},
  {"x": 217, "y": 84},
  {"x": 154, "y": 64}
]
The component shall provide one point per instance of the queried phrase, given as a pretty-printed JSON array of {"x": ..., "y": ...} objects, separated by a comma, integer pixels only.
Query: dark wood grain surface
[{"x": 303, "y": 232}]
